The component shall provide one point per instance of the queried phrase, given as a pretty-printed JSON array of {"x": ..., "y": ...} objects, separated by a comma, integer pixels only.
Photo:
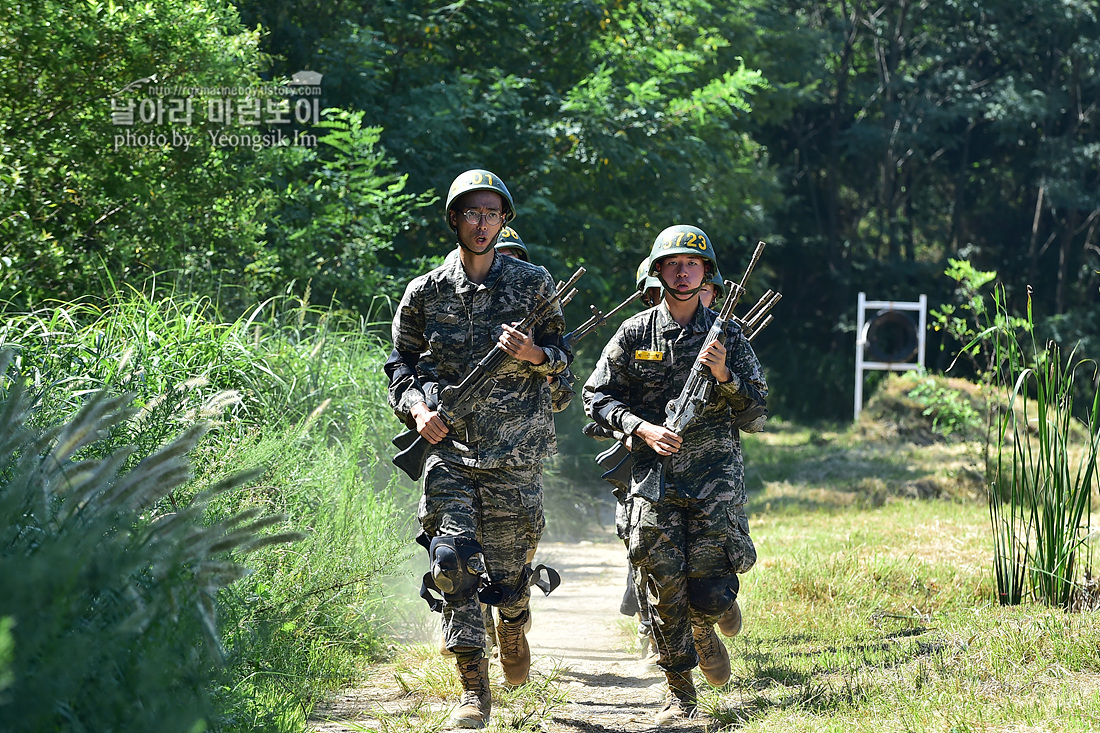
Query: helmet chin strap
[
  {"x": 676, "y": 294},
  {"x": 471, "y": 250}
]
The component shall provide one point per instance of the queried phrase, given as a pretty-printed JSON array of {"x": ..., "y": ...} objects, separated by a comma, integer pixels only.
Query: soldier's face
[
  {"x": 682, "y": 273},
  {"x": 477, "y": 236},
  {"x": 706, "y": 295}
]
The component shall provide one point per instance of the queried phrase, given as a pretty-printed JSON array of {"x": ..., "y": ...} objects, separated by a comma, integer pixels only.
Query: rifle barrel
[
  {"x": 599, "y": 318},
  {"x": 757, "y": 306},
  {"x": 757, "y": 329}
]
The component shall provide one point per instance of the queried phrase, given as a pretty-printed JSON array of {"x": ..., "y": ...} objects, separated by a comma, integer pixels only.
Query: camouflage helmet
[
  {"x": 719, "y": 284},
  {"x": 682, "y": 239},
  {"x": 642, "y": 279},
  {"x": 510, "y": 239},
  {"x": 478, "y": 179}
]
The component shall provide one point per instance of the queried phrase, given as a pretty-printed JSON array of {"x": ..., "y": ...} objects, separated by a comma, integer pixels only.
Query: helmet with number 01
[
  {"x": 682, "y": 239},
  {"x": 478, "y": 179},
  {"x": 510, "y": 239}
]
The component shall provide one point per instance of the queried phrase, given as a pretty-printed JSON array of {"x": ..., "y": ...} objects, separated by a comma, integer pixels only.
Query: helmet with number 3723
[{"x": 682, "y": 239}]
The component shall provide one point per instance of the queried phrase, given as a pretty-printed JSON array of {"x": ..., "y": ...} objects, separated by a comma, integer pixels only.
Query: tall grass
[
  {"x": 1040, "y": 499},
  {"x": 109, "y": 604},
  {"x": 308, "y": 406}
]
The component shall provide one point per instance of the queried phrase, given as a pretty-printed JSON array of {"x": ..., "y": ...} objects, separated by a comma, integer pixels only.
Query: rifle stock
[
  {"x": 405, "y": 439},
  {"x": 617, "y": 461},
  {"x": 411, "y": 460}
]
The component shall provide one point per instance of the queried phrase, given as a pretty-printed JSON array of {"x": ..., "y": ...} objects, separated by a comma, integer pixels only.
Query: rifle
[
  {"x": 679, "y": 413},
  {"x": 456, "y": 402},
  {"x": 758, "y": 317},
  {"x": 597, "y": 319}
]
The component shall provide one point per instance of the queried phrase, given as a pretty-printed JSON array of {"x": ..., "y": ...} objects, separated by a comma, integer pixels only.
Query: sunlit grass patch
[
  {"x": 979, "y": 668},
  {"x": 882, "y": 619},
  {"x": 428, "y": 688}
]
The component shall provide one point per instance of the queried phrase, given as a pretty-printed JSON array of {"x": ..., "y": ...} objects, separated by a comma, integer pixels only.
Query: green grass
[
  {"x": 871, "y": 607},
  {"x": 430, "y": 688},
  {"x": 878, "y": 613},
  {"x": 873, "y": 604},
  {"x": 308, "y": 407}
]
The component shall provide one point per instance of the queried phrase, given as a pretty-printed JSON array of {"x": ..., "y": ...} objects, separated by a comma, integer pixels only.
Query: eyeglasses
[{"x": 492, "y": 218}]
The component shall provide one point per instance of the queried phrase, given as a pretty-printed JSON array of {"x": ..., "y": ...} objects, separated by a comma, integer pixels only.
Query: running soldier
[
  {"x": 713, "y": 290},
  {"x": 688, "y": 543},
  {"x": 481, "y": 513}
]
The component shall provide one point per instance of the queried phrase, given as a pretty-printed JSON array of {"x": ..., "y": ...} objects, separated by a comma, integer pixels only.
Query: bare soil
[{"x": 577, "y": 631}]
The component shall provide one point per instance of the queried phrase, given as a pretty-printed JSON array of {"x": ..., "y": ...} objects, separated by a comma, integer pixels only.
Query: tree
[{"x": 86, "y": 200}]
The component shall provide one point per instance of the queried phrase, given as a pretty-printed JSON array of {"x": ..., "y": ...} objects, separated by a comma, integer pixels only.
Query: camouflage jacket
[
  {"x": 444, "y": 325},
  {"x": 643, "y": 367}
]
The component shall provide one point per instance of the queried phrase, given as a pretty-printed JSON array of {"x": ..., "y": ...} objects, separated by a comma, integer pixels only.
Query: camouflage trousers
[
  {"x": 679, "y": 538},
  {"x": 501, "y": 508}
]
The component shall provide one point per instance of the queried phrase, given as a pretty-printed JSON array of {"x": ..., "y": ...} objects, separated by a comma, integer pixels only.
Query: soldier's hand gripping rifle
[
  {"x": 694, "y": 395},
  {"x": 456, "y": 402}
]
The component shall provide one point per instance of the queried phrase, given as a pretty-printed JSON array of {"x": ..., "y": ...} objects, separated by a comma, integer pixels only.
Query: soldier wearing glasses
[
  {"x": 481, "y": 511},
  {"x": 687, "y": 543}
]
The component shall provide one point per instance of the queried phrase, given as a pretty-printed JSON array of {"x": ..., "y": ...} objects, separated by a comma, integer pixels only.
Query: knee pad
[
  {"x": 457, "y": 570},
  {"x": 713, "y": 596},
  {"x": 457, "y": 566}
]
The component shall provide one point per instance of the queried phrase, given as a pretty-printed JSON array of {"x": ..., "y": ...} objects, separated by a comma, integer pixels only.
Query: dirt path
[{"x": 578, "y": 630}]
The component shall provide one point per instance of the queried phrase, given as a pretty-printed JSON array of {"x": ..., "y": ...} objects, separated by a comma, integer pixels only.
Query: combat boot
[
  {"x": 714, "y": 659},
  {"x": 477, "y": 702},
  {"x": 730, "y": 622},
  {"x": 680, "y": 699},
  {"x": 515, "y": 654}
]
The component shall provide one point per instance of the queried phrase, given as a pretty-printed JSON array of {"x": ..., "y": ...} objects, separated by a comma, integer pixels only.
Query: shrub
[{"x": 109, "y": 603}]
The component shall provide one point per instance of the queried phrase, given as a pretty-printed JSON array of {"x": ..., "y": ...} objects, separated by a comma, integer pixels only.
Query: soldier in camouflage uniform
[
  {"x": 481, "y": 512},
  {"x": 649, "y": 285},
  {"x": 688, "y": 544}
]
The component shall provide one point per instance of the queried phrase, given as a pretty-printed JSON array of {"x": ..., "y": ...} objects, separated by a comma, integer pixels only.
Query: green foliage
[
  {"x": 340, "y": 211},
  {"x": 79, "y": 206},
  {"x": 310, "y": 408},
  {"x": 109, "y": 600},
  {"x": 649, "y": 105},
  {"x": 952, "y": 412},
  {"x": 1040, "y": 500},
  {"x": 305, "y": 622},
  {"x": 963, "y": 320}
]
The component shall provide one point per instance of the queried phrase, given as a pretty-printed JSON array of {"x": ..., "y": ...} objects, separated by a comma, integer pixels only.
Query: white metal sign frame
[{"x": 862, "y": 326}]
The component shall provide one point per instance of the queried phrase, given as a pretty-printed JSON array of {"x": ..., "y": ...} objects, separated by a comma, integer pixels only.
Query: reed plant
[
  {"x": 109, "y": 602},
  {"x": 1040, "y": 497}
]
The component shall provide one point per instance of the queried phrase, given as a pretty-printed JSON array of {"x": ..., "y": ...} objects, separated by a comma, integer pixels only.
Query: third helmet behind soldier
[
  {"x": 649, "y": 285},
  {"x": 511, "y": 244},
  {"x": 713, "y": 290}
]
